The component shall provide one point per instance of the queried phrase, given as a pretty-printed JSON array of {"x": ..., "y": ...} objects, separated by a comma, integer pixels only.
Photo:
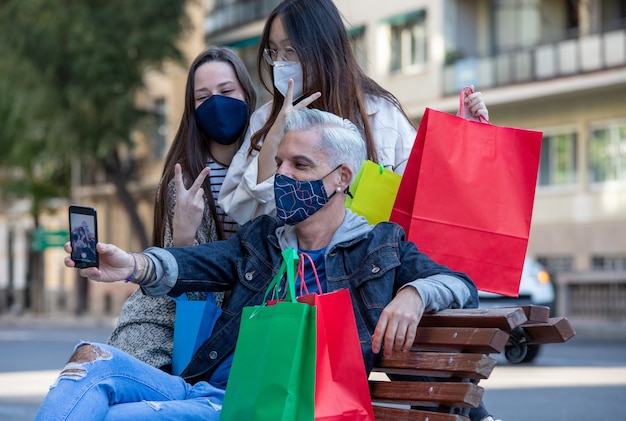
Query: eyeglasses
[{"x": 274, "y": 55}]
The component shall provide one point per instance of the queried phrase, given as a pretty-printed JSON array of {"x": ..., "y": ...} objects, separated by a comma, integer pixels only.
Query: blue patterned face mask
[{"x": 297, "y": 200}]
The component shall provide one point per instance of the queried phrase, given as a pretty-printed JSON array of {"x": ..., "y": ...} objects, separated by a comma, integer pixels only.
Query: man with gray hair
[{"x": 392, "y": 284}]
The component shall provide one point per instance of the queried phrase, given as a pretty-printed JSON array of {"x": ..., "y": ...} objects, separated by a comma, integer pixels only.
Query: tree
[
  {"x": 85, "y": 60},
  {"x": 28, "y": 165}
]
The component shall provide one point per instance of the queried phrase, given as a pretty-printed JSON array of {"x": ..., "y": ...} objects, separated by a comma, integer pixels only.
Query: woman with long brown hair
[{"x": 219, "y": 99}]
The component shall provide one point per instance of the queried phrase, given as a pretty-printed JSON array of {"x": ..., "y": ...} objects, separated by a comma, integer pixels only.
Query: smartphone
[{"x": 83, "y": 236}]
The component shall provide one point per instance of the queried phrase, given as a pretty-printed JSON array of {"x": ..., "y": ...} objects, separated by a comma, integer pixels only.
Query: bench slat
[
  {"x": 506, "y": 318},
  {"x": 556, "y": 330},
  {"x": 438, "y": 364},
  {"x": 383, "y": 413},
  {"x": 462, "y": 339},
  {"x": 453, "y": 394}
]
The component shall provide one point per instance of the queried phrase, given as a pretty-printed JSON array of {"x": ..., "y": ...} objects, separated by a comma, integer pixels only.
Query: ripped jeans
[{"x": 101, "y": 382}]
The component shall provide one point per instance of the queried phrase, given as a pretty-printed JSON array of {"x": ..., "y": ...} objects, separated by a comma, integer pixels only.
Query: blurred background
[{"x": 91, "y": 92}]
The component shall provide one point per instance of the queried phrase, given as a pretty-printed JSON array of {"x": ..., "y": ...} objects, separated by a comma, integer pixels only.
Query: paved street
[
  {"x": 580, "y": 380},
  {"x": 31, "y": 354}
]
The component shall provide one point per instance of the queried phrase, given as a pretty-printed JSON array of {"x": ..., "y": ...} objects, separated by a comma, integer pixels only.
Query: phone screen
[{"x": 83, "y": 236}]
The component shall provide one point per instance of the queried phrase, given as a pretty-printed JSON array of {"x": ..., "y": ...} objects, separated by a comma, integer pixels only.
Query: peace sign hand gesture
[
  {"x": 189, "y": 207},
  {"x": 267, "y": 165}
]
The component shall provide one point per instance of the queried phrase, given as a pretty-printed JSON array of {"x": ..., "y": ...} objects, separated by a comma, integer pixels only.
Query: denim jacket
[{"x": 372, "y": 262}]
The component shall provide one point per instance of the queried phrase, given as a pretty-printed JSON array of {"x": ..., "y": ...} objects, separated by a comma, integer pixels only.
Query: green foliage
[
  {"x": 94, "y": 54},
  {"x": 69, "y": 75},
  {"x": 33, "y": 166}
]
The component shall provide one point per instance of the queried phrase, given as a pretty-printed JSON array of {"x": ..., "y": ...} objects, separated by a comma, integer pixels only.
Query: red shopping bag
[
  {"x": 467, "y": 195},
  {"x": 341, "y": 386}
]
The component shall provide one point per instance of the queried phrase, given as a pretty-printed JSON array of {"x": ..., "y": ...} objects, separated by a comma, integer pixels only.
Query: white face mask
[{"x": 286, "y": 71}]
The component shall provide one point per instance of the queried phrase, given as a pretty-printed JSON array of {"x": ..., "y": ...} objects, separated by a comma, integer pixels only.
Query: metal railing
[
  {"x": 593, "y": 295},
  {"x": 227, "y": 16},
  {"x": 585, "y": 54}
]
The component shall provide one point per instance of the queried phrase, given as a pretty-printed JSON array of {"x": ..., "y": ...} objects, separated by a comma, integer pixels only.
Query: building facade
[
  {"x": 553, "y": 65},
  {"x": 558, "y": 66}
]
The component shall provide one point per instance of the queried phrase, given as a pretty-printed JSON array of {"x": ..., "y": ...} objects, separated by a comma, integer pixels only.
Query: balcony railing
[
  {"x": 593, "y": 295},
  {"x": 227, "y": 16},
  {"x": 581, "y": 55}
]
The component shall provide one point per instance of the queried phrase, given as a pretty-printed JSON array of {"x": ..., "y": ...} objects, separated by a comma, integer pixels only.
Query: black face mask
[{"x": 222, "y": 118}]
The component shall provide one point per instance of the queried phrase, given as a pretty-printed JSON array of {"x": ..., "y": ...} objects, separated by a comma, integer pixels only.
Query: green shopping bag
[
  {"x": 373, "y": 192},
  {"x": 273, "y": 372}
]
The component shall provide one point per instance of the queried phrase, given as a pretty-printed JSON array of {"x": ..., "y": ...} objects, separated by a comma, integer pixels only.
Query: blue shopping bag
[{"x": 193, "y": 325}]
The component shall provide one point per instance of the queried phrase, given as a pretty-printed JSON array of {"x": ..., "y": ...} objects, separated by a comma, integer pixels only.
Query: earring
[{"x": 338, "y": 189}]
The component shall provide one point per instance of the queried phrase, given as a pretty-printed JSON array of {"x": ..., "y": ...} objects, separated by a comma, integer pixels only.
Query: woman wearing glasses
[{"x": 305, "y": 41}]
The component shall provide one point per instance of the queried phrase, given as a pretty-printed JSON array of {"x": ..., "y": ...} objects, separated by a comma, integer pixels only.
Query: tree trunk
[{"x": 119, "y": 178}]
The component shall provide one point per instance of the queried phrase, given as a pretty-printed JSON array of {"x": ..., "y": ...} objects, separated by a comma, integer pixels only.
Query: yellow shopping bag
[{"x": 373, "y": 192}]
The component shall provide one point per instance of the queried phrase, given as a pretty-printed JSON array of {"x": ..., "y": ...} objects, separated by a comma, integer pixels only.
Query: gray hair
[{"x": 341, "y": 141}]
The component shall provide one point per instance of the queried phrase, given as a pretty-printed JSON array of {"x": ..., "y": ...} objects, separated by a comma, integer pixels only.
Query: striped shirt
[{"x": 216, "y": 178}]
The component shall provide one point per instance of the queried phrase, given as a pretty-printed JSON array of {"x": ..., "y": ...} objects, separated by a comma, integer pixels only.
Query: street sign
[{"x": 43, "y": 239}]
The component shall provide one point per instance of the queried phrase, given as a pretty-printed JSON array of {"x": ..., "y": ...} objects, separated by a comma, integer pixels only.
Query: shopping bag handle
[
  {"x": 288, "y": 266},
  {"x": 303, "y": 288},
  {"x": 468, "y": 90}
]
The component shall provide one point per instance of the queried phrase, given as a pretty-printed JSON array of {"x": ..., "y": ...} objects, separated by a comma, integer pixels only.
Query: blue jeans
[{"x": 116, "y": 386}]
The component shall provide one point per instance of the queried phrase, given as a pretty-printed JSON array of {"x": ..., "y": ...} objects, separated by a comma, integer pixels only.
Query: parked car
[{"x": 535, "y": 288}]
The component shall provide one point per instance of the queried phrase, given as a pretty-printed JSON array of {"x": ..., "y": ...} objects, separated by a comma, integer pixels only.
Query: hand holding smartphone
[{"x": 83, "y": 236}]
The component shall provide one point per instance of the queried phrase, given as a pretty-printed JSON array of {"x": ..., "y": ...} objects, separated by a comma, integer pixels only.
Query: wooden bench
[{"x": 438, "y": 380}]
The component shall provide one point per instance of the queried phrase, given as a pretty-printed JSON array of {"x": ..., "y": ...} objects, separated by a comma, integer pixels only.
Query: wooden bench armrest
[{"x": 556, "y": 330}]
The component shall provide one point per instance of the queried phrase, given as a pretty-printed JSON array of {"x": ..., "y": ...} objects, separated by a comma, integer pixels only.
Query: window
[
  {"x": 557, "y": 166},
  {"x": 408, "y": 42},
  {"x": 160, "y": 129},
  {"x": 517, "y": 24},
  {"x": 557, "y": 263},
  {"x": 357, "y": 41},
  {"x": 224, "y": 14},
  {"x": 607, "y": 152},
  {"x": 608, "y": 262}
]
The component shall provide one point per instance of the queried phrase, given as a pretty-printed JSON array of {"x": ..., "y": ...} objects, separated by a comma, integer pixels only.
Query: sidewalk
[
  {"x": 599, "y": 330},
  {"x": 22, "y": 392},
  {"x": 56, "y": 319},
  {"x": 47, "y": 340}
]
